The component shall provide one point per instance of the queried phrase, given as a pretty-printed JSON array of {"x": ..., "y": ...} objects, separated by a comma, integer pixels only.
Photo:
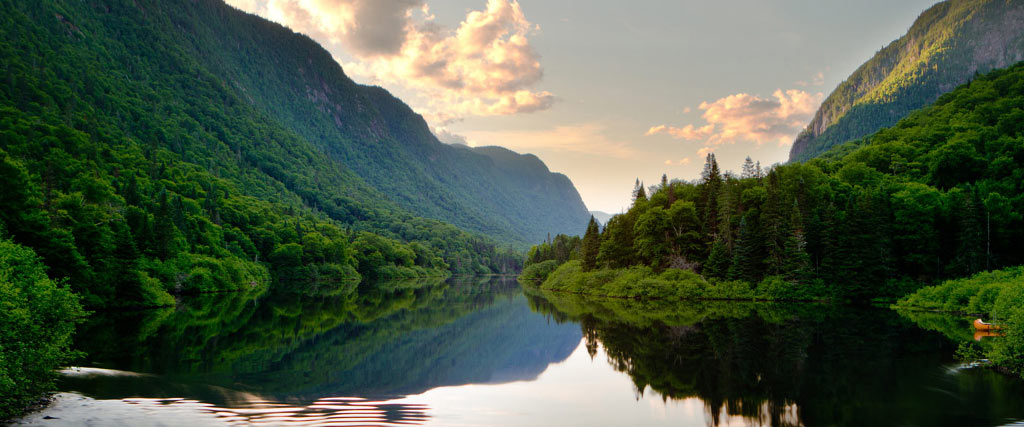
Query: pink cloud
[
  {"x": 744, "y": 117},
  {"x": 484, "y": 66},
  {"x": 680, "y": 162}
]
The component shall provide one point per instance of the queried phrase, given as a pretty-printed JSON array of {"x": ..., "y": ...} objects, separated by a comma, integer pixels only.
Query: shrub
[{"x": 37, "y": 317}]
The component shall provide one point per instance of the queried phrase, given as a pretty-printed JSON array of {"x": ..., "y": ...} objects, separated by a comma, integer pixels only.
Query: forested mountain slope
[
  {"x": 298, "y": 84},
  {"x": 135, "y": 161},
  {"x": 947, "y": 45}
]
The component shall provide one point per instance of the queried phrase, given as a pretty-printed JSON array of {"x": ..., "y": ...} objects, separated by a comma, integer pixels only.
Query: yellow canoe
[{"x": 984, "y": 326}]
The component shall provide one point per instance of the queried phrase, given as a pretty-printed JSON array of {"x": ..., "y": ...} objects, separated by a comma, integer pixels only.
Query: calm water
[{"x": 484, "y": 352}]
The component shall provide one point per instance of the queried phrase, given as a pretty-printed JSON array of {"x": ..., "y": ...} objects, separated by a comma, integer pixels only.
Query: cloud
[
  {"x": 817, "y": 80},
  {"x": 704, "y": 151},
  {"x": 585, "y": 138},
  {"x": 447, "y": 137},
  {"x": 685, "y": 132},
  {"x": 744, "y": 117},
  {"x": 486, "y": 66},
  {"x": 687, "y": 110},
  {"x": 680, "y": 162}
]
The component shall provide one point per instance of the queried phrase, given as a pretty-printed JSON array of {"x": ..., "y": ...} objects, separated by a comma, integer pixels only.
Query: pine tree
[
  {"x": 591, "y": 245},
  {"x": 748, "y": 171},
  {"x": 711, "y": 184},
  {"x": 970, "y": 254},
  {"x": 719, "y": 261},
  {"x": 773, "y": 224},
  {"x": 163, "y": 228},
  {"x": 796, "y": 261},
  {"x": 748, "y": 252},
  {"x": 639, "y": 195}
]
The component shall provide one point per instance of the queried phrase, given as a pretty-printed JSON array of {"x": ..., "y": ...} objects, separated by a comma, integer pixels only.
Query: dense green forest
[
  {"x": 946, "y": 46},
  {"x": 937, "y": 196},
  {"x": 136, "y": 170}
]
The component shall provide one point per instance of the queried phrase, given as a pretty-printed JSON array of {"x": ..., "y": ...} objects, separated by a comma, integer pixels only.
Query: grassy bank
[
  {"x": 995, "y": 295},
  {"x": 642, "y": 282}
]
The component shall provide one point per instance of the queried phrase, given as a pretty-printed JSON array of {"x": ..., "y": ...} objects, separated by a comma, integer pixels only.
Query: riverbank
[
  {"x": 996, "y": 295},
  {"x": 642, "y": 282}
]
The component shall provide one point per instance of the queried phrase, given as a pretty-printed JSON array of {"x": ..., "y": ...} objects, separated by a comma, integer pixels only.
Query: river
[{"x": 484, "y": 352}]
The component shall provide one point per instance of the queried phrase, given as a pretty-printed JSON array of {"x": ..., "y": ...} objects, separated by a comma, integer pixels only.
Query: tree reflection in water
[{"x": 786, "y": 364}]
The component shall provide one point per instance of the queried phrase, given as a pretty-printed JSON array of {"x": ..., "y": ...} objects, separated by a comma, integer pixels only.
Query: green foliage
[
  {"x": 948, "y": 45},
  {"x": 138, "y": 161},
  {"x": 590, "y": 247},
  {"x": 539, "y": 271},
  {"x": 996, "y": 295},
  {"x": 986, "y": 293},
  {"x": 38, "y": 317},
  {"x": 563, "y": 248},
  {"x": 642, "y": 282},
  {"x": 940, "y": 195}
]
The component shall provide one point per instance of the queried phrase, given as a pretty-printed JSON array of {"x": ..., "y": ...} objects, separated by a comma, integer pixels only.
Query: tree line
[{"x": 937, "y": 196}]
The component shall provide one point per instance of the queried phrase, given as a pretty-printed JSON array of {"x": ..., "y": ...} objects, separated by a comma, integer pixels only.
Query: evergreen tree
[
  {"x": 971, "y": 238},
  {"x": 591, "y": 245},
  {"x": 617, "y": 242},
  {"x": 748, "y": 252},
  {"x": 719, "y": 261},
  {"x": 749, "y": 170},
  {"x": 711, "y": 184},
  {"x": 639, "y": 194},
  {"x": 796, "y": 262}
]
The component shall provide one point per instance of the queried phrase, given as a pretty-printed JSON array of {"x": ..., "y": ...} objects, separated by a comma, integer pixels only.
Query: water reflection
[
  {"x": 379, "y": 340},
  {"x": 781, "y": 365},
  {"x": 482, "y": 352}
]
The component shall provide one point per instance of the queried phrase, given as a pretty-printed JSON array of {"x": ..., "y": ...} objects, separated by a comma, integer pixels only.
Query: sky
[{"x": 606, "y": 92}]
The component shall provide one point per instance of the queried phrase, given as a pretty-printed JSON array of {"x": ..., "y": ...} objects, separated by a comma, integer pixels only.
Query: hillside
[
  {"x": 946, "y": 46},
  {"x": 142, "y": 154},
  {"x": 297, "y": 83}
]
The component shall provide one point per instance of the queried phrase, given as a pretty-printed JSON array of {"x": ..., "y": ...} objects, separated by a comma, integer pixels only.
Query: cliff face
[{"x": 947, "y": 45}]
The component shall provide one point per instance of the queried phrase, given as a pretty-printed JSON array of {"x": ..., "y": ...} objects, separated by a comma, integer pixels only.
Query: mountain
[
  {"x": 297, "y": 83},
  {"x": 947, "y": 45},
  {"x": 601, "y": 217},
  {"x": 148, "y": 147},
  {"x": 532, "y": 184}
]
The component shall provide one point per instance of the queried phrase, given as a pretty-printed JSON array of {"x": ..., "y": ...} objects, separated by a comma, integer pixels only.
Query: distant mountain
[
  {"x": 947, "y": 46},
  {"x": 531, "y": 184},
  {"x": 602, "y": 217}
]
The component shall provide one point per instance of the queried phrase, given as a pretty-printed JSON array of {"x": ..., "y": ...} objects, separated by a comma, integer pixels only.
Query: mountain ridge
[
  {"x": 378, "y": 136},
  {"x": 947, "y": 45}
]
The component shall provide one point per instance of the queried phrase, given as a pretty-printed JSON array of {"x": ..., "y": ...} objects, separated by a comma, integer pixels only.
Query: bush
[
  {"x": 37, "y": 317},
  {"x": 997, "y": 295},
  {"x": 539, "y": 271}
]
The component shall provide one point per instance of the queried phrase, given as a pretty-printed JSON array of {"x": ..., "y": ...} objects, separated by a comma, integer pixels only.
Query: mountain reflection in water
[{"x": 483, "y": 352}]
